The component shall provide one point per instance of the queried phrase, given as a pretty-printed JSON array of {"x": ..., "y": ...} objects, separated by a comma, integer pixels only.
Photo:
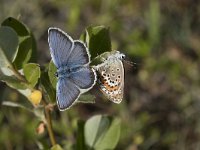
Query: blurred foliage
[{"x": 161, "y": 103}]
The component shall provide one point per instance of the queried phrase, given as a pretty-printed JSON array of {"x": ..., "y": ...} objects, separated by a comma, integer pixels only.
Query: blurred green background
[{"x": 161, "y": 105}]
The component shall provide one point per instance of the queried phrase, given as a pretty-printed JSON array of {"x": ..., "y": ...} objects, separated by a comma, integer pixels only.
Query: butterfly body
[
  {"x": 71, "y": 57},
  {"x": 111, "y": 77},
  {"x": 65, "y": 71}
]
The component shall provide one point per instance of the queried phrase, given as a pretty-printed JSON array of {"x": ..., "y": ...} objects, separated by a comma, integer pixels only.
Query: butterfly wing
[
  {"x": 61, "y": 45},
  {"x": 111, "y": 79},
  {"x": 67, "y": 93},
  {"x": 74, "y": 55},
  {"x": 79, "y": 56},
  {"x": 84, "y": 78}
]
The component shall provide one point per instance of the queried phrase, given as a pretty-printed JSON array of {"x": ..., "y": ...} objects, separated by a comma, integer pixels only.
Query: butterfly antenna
[{"x": 130, "y": 63}]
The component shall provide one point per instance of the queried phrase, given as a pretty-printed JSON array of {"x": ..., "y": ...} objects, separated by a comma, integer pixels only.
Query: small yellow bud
[{"x": 35, "y": 97}]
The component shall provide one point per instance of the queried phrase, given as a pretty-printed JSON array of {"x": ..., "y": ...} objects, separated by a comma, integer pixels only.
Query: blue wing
[
  {"x": 67, "y": 93},
  {"x": 60, "y": 44},
  {"x": 84, "y": 78},
  {"x": 79, "y": 56}
]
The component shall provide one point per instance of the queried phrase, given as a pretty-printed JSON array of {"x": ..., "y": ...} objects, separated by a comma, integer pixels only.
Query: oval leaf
[
  {"x": 4, "y": 62},
  {"x": 6, "y": 75},
  {"x": 110, "y": 139},
  {"x": 26, "y": 106},
  {"x": 13, "y": 82},
  {"x": 102, "y": 132},
  {"x": 51, "y": 72},
  {"x": 32, "y": 73},
  {"x": 8, "y": 44},
  {"x": 19, "y": 27},
  {"x": 50, "y": 92},
  {"x": 91, "y": 130},
  {"x": 24, "y": 53},
  {"x": 27, "y": 47},
  {"x": 86, "y": 98},
  {"x": 33, "y": 58},
  {"x": 97, "y": 39}
]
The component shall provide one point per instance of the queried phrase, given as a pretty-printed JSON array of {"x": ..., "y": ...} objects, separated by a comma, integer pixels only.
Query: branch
[{"x": 49, "y": 124}]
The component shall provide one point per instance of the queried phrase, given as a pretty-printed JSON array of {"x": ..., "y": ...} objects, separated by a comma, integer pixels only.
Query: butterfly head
[
  {"x": 118, "y": 55},
  {"x": 122, "y": 56}
]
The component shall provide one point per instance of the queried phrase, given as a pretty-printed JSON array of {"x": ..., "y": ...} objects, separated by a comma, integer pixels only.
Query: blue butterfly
[{"x": 72, "y": 58}]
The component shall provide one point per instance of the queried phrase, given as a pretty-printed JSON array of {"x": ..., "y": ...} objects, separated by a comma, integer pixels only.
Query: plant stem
[
  {"x": 17, "y": 74},
  {"x": 47, "y": 109},
  {"x": 49, "y": 125}
]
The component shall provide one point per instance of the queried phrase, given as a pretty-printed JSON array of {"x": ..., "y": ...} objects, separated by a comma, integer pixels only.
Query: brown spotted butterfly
[{"x": 111, "y": 76}]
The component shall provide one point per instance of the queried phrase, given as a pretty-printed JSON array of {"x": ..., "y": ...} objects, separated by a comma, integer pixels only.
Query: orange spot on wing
[{"x": 108, "y": 87}]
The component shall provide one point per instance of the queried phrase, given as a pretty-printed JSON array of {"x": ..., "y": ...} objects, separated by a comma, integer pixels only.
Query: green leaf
[
  {"x": 24, "y": 53},
  {"x": 80, "y": 137},
  {"x": 102, "y": 132},
  {"x": 56, "y": 147},
  {"x": 93, "y": 127},
  {"x": 97, "y": 39},
  {"x": 27, "y": 47},
  {"x": 25, "y": 92},
  {"x": 6, "y": 75},
  {"x": 14, "y": 104},
  {"x": 86, "y": 98},
  {"x": 8, "y": 45},
  {"x": 13, "y": 82},
  {"x": 4, "y": 62},
  {"x": 19, "y": 27},
  {"x": 47, "y": 87},
  {"x": 6, "y": 71},
  {"x": 110, "y": 139},
  {"x": 33, "y": 58},
  {"x": 32, "y": 73},
  {"x": 51, "y": 72}
]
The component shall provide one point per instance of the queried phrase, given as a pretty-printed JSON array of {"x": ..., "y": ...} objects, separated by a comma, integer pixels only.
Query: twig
[
  {"x": 47, "y": 109},
  {"x": 49, "y": 125},
  {"x": 17, "y": 74}
]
